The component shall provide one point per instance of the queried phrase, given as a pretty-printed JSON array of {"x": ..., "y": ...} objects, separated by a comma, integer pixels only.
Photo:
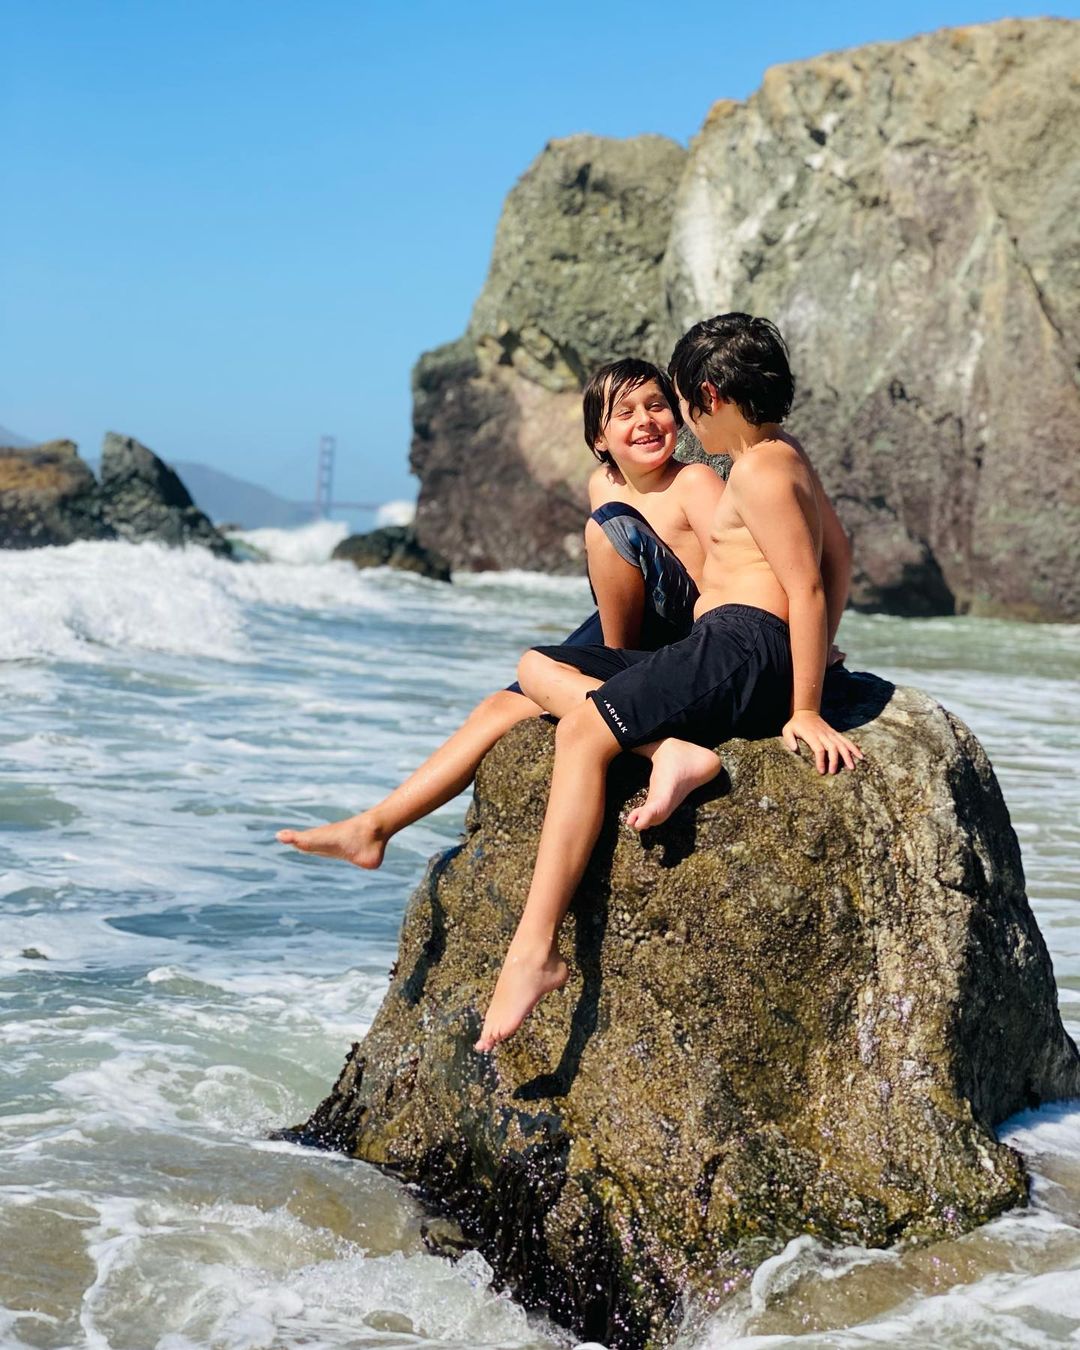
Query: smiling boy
[
  {"x": 753, "y": 664},
  {"x": 643, "y": 543}
]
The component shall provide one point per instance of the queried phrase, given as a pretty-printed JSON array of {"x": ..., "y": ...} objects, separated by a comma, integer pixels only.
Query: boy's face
[
  {"x": 712, "y": 426},
  {"x": 641, "y": 432}
]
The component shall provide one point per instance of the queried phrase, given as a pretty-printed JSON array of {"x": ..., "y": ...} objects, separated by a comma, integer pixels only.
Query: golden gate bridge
[{"x": 324, "y": 502}]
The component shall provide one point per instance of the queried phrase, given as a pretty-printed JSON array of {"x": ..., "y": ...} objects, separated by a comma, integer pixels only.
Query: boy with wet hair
[{"x": 753, "y": 664}]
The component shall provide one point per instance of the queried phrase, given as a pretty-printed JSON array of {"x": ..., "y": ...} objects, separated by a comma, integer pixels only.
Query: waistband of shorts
[{"x": 750, "y": 612}]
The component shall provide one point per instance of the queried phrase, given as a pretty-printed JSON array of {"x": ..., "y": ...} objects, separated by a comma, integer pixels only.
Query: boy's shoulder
[
  {"x": 696, "y": 481},
  {"x": 696, "y": 475},
  {"x": 603, "y": 480},
  {"x": 782, "y": 455}
]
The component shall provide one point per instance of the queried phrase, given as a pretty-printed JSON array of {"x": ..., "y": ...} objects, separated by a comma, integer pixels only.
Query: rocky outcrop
[
  {"x": 574, "y": 280},
  {"x": 145, "y": 499},
  {"x": 48, "y": 495},
  {"x": 392, "y": 546},
  {"x": 800, "y": 1006},
  {"x": 905, "y": 212}
]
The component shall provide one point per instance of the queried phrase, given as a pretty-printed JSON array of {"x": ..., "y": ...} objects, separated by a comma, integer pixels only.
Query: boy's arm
[
  {"x": 617, "y": 589},
  {"x": 770, "y": 506},
  {"x": 700, "y": 489},
  {"x": 835, "y": 563}
]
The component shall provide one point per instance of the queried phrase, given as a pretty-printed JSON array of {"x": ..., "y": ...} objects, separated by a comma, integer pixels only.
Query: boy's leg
[
  {"x": 678, "y": 766},
  {"x": 584, "y": 747},
  {"x": 362, "y": 839}
]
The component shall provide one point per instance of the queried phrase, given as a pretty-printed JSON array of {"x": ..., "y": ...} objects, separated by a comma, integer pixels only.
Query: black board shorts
[{"x": 730, "y": 677}]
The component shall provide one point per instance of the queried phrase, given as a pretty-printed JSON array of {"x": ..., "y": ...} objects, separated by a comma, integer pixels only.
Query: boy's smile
[{"x": 641, "y": 430}]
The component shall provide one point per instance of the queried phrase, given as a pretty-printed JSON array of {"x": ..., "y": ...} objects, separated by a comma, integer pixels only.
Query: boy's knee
[
  {"x": 503, "y": 701},
  {"x": 582, "y": 725},
  {"x": 530, "y": 665}
]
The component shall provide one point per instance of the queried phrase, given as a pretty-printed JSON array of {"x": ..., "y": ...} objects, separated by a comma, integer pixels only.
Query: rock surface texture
[
  {"x": 392, "y": 546},
  {"x": 906, "y": 213},
  {"x": 48, "y": 495},
  {"x": 145, "y": 499},
  {"x": 799, "y": 1006},
  {"x": 575, "y": 279}
]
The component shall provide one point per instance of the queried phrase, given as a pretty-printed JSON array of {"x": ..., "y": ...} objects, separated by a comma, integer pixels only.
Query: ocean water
[{"x": 174, "y": 985}]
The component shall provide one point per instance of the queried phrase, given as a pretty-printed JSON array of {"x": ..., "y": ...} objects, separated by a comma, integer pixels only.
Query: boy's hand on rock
[{"x": 829, "y": 747}]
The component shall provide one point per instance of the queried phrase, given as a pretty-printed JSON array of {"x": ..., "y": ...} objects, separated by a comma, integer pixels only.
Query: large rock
[
  {"x": 145, "y": 499},
  {"x": 800, "y": 1006},
  {"x": 574, "y": 281},
  {"x": 48, "y": 496},
  {"x": 906, "y": 213},
  {"x": 393, "y": 546}
]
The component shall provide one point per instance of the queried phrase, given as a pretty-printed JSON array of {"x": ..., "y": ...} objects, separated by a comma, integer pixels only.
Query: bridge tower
[{"x": 324, "y": 484}]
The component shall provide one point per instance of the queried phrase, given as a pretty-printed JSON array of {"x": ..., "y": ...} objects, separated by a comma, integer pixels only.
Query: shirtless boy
[
  {"x": 754, "y": 663},
  {"x": 644, "y": 551}
]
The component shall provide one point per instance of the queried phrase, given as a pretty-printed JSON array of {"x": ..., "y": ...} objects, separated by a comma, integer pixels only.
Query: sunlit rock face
[
  {"x": 574, "y": 281},
  {"x": 800, "y": 1006},
  {"x": 48, "y": 495},
  {"x": 906, "y": 213}
]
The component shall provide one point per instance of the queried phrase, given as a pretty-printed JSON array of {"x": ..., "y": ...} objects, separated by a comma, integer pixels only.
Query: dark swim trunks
[
  {"x": 730, "y": 677},
  {"x": 670, "y": 592}
]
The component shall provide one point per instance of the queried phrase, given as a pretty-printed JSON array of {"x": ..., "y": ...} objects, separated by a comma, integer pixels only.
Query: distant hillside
[
  {"x": 9, "y": 438},
  {"x": 230, "y": 500}
]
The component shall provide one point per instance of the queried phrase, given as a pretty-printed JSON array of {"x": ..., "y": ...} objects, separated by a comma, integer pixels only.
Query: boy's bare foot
[
  {"x": 526, "y": 976},
  {"x": 357, "y": 840},
  {"x": 678, "y": 767}
]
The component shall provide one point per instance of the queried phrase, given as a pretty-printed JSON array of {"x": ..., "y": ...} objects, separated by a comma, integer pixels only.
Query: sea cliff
[{"x": 905, "y": 213}]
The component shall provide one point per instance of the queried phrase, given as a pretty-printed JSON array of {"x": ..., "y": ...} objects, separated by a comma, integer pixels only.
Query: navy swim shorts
[{"x": 730, "y": 677}]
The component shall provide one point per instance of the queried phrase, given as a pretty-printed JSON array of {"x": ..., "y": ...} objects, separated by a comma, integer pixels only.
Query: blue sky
[{"x": 229, "y": 227}]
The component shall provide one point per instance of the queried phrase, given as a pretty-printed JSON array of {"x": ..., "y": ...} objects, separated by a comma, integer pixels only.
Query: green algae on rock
[{"x": 800, "y": 1006}]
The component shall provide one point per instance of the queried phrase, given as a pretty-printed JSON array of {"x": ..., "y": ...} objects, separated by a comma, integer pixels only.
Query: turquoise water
[{"x": 174, "y": 985}]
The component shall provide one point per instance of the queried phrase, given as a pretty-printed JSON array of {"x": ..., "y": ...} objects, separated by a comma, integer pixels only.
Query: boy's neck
[
  {"x": 651, "y": 480},
  {"x": 745, "y": 437}
]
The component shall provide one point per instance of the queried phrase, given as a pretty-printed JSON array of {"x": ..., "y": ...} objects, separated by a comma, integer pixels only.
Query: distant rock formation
[
  {"x": 145, "y": 499},
  {"x": 393, "y": 546},
  {"x": 906, "y": 213},
  {"x": 48, "y": 495},
  {"x": 798, "y": 1007}
]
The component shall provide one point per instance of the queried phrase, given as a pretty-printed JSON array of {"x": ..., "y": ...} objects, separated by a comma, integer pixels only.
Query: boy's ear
[{"x": 712, "y": 396}]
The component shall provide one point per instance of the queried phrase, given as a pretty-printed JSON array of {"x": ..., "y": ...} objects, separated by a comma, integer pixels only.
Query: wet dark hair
[
  {"x": 745, "y": 359},
  {"x": 608, "y": 385}
]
